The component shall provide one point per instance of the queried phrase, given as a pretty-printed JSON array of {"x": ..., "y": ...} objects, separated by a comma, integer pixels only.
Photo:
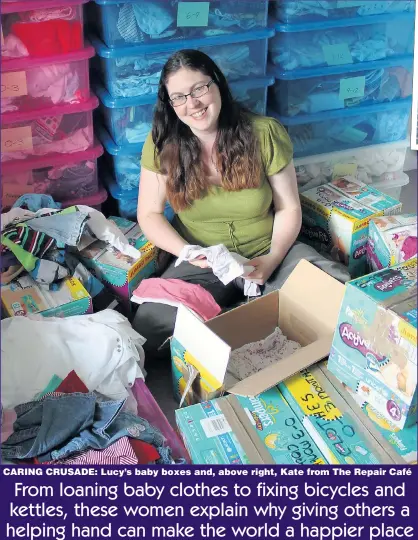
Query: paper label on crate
[
  {"x": 352, "y": 135},
  {"x": 193, "y": 14},
  {"x": 352, "y": 87},
  {"x": 344, "y": 169},
  {"x": 15, "y": 185},
  {"x": 215, "y": 426},
  {"x": 14, "y": 84},
  {"x": 338, "y": 54},
  {"x": 17, "y": 139}
]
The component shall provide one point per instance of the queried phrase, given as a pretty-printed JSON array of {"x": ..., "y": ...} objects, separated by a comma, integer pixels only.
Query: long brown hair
[{"x": 178, "y": 150}]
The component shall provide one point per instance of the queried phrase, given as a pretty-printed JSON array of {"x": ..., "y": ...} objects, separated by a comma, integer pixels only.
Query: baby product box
[
  {"x": 401, "y": 445},
  {"x": 120, "y": 272},
  {"x": 252, "y": 430},
  {"x": 24, "y": 295},
  {"x": 201, "y": 350},
  {"x": 392, "y": 239},
  {"x": 336, "y": 433},
  {"x": 374, "y": 351},
  {"x": 337, "y": 223}
]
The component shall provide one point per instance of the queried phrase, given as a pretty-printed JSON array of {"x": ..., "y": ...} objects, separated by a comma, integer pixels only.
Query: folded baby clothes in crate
[
  {"x": 226, "y": 266},
  {"x": 254, "y": 357}
]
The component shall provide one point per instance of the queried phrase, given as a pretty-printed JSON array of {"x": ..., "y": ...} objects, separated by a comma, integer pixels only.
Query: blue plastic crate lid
[
  {"x": 338, "y": 23},
  {"x": 341, "y": 113},
  {"x": 406, "y": 61},
  {"x": 114, "y": 149},
  {"x": 251, "y": 83},
  {"x": 164, "y": 45}
]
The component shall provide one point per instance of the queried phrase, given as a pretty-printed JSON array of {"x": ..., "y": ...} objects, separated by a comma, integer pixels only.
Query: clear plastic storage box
[
  {"x": 34, "y": 83},
  {"x": 308, "y": 91},
  {"x": 129, "y": 120},
  {"x": 137, "y": 21},
  {"x": 41, "y": 28},
  {"x": 95, "y": 201},
  {"x": 297, "y": 11},
  {"x": 347, "y": 128},
  {"x": 61, "y": 129},
  {"x": 64, "y": 178},
  {"x": 135, "y": 71},
  {"x": 380, "y": 165},
  {"x": 345, "y": 41}
]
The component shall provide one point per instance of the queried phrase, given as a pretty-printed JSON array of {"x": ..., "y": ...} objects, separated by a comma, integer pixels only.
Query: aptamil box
[
  {"x": 392, "y": 239},
  {"x": 24, "y": 295},
  {"x": 337, "y": 435},
  {"x": 337, "y": 223},
  {"x": 374, "y": 350},
  {"x": 404, "y": 441},
  {"x": 208, "y": 437},
  {"x": 120, "y": 272}
]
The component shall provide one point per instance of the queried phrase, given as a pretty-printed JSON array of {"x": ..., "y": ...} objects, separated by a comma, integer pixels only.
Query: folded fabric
[
  {"x": 175, "y": 292},
  {"x": 120, "y": 452},
  {"x": 60, "y": 425},
  {"x": 254, "y": 357},
  {"x": 102, "y": 348},
  {"x": 35, "y": 201},
  {"x": 226, "y": 266},
  {"x": 46, "y": 38},
  {"x": 145, "y": 453},
  {"x": 14, "y": 216}
]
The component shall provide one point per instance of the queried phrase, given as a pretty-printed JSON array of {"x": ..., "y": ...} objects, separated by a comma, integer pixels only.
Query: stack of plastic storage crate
[
  {"x": 133, "y": 39},
  {"x": 47, "y": 140},
  {"x": 343, "y": 85}
]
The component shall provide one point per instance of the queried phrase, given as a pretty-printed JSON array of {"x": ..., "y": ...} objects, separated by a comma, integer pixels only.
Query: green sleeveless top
[{"x": 241, "y": 220}]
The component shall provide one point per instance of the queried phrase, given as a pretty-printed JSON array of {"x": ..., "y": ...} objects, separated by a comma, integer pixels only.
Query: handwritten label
[
  {"x": 13, "y": 186},
  {"x": 193, "y": 14},
  {"x": 344, "y": 169},
  {"x": 353, "y": 87},
  {"x": 352, "y": 135},
  {"x": 16, "y": 139},
  {"x": 336, "y": 55},
  {"x": 14, "y": 84}
]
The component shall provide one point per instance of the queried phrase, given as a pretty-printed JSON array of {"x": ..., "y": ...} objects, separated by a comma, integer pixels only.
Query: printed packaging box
[
  {"x": 120, "y": 272},
  {"x": 201, "y": 350},
  {"x": 374, "y": 351},
  {"x": 239, "y": 430},
  {"x": 392, "y": 239},
  {"x": 336, "y": 433},
  {"x": 24, "y": 295},
  {"x": 400, "y": 444},
  {"x": 335, "y": 219}
]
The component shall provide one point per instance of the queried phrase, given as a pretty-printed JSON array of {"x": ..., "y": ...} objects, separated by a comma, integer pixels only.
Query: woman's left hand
[{"x": 264, "y": 266}]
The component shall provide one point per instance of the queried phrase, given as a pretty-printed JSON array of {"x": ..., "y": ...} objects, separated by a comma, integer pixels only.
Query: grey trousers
[{"x": 156, "y": 321}]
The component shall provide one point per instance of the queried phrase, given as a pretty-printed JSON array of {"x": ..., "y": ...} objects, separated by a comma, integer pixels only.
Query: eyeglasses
[{"x": 196, "y": 93}]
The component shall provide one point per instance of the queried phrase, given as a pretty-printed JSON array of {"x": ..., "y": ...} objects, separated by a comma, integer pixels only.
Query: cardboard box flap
[
  {"x": 283, "y": 369},
  {"x": 203, "y": 344},
  {"x": 319, "y": 294}
]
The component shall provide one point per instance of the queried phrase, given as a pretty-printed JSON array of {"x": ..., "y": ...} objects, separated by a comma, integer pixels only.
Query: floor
[{"x": 159, "y": 375}]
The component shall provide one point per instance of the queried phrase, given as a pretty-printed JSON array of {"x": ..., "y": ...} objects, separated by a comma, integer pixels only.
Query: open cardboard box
[{"x": 306, "y": 309}]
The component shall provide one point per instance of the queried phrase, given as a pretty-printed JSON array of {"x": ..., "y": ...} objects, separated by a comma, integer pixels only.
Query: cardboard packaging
[
  {"x": 400, "y": 444},
  {"x": 240, "y": 429},
  {"x": 392, "y": 239},
  {"x": 201, "y": 350},
  {"x": 337, "y": 434},
  {"x": 24, "y": 295},
  {"x": 335, "y": 219},
  {"x": 120, "y": 273},
  {"x": 374, "y": 351}
]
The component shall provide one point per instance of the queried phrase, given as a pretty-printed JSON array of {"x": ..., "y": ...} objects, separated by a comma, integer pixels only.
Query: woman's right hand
[{"x": 200, "y": 261}]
